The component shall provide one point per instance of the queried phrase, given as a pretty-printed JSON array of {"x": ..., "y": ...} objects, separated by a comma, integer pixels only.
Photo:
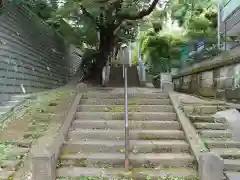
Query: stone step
[
  {"x": 19, "y": 97},
  {"x": 232, "y": 164},
  {"x": 5, "y": 108},
  {"x": 232, "y": 175},
  {"x": 130, "y": 95},
  {"x": 205, "y": 118},
  {"x": 200, "y": 103},
  {"x": 146, "y": 160},
  {"x": 202, "y": 110},
  {"x": 10, "y": 103},
  {"x": 198, "y": 118},
  {"x": 135, "y": 173},
  {"x": 5, "y": 174},
  {"x": 25, "y": 143},
  {"x": 227, "y": 153},
  {"x": 10, "y": 165},
  {"x": 163, "y": 116},
  {"x": 213, "y": 126},
  {"x": 136, "y": 146},
  {"x": 131, "y": 108},
  {"x": 17, "y": 151},
  {"x": 120, "y": 134},
  {"x": 222, "y": 143},
  {"x": 119, "y": 124},
  {"x": 172, "y": 173},
  {"x": 98, "y": 101},
  {"x": 215, "y": 133}
]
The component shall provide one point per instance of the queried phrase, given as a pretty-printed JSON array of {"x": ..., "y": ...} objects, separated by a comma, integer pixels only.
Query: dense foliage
[
  {"x": 101, "y": 26},
  {"x": 198, "y": 22}
]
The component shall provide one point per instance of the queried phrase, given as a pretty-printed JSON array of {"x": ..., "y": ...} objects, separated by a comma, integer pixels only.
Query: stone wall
[
  {"x": 217, "y": 78},
  {"x": 33, "y": 57}
]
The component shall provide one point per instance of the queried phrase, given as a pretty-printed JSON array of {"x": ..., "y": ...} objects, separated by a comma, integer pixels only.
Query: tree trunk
[{"x": 106, "y": 47}]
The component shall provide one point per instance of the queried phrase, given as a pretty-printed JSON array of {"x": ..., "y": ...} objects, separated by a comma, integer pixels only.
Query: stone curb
[
  {"x": 192, "y": 136},
  {"x": 44, "y": 158},
  {"x": 210, "y": 167}
]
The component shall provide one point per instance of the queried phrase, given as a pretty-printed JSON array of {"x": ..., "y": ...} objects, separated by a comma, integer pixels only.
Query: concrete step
[
  {"x": 135, "y": 173},
  {"x": 120, "y": 134},
  {"x": 172, "y": 173},
  {"x": 227, "y": 153},
  {"x": 205, "y": 118},
  {"x": 163, "y": 116},
  {"x": 98, "y": 101},
  {"x": 136, "y": 146},
  {"x": 131, "y": 108},
  {"x": 19, "y": 97},
  {"x": 5, "y": 108},
  {"x": 233, "y": 175},
  {"x": 146, "y": 160},
  {"x": 4, "y": 174},
  {"x": 130, "y": 95},
  {"x": 231, "y": 164},
  {"x": 202, "y": 110},
  {"x": 222, "y": 143},
  {"x": 10, "y": 103},
  {"x": 119, "y": 124},
  {"x": 213, "y": 126},
  {"x": 215, "y": 133},
  {"x": 198, "y": 118}
]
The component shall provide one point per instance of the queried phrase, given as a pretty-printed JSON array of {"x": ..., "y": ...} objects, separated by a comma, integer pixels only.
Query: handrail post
[
  {"x": 126, "y": 118},
  {"x": 126, "y": 61}
]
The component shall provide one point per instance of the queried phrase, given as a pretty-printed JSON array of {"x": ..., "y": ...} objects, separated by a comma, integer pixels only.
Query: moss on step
[
  {"x": 132, "y": 102},
  {"x": 82, "y": 178},
  {"x": 125, "y": 178},
  {"x": 158, "y": 149},
  {"x": 81, "y": 162},
  {"x": 119, "y": 109},
  {"x": 114, "y": 109}
]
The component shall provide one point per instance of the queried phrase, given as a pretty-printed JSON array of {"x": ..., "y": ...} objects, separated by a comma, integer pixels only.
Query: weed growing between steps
[{"x": 120, "y": 109}]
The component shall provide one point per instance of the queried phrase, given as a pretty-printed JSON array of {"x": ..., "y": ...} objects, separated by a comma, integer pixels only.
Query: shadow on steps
[{"x": 116, "y": 76}]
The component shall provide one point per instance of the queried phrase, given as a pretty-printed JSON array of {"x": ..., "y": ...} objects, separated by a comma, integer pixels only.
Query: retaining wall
[
  {"x": 33, "y": 57},
  {"x": 218, "y": 77}
]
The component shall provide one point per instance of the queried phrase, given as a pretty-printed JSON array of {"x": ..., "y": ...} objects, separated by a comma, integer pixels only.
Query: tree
[
  {"x": 114, "y": 22},
  {"x": 103, "y": 25},
  {"x": 160, "y": 48}
]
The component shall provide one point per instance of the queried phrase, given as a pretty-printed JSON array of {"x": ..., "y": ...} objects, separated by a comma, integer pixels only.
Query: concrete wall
[
  {"x": 33, "y": 57},
  {"x": 218, "y": 77}
]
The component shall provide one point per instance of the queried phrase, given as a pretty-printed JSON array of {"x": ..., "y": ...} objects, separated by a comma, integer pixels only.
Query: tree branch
[
  {"x": 140, "y": 14},
  {"x": 121, "y": 18},
  {"x": 88, "y": 14}
]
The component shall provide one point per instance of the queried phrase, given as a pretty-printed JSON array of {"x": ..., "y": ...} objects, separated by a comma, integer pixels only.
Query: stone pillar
[
  {"x": 210, "y": 167},
  {"x": 166, "y": 82},
  {"x": 43, "y": 166}
]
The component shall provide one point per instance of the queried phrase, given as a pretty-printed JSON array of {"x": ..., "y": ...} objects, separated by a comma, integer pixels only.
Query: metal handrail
[
  {"x": 126, "y": 164},
  {"x": 125, "y": 55}
]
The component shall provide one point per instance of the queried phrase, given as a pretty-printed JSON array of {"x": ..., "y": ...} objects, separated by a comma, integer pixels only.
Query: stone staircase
[
  {"x": 95, "y": 145},
  {"x": 7, "y": 106},
  {"x": 116, "y": 77},
  {"x": 216, "y": 135}
]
